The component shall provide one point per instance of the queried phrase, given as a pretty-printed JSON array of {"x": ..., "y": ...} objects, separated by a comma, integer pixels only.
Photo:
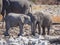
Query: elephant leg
[
  {"x": 39, "y": 28},
  {"x": 33, "y": 28},
  {"x": 48, "y": 30},
  {"x": 43, "y": 30},
  {"x": 21, "y": 28},
  {"x": 7, "y": 28}
]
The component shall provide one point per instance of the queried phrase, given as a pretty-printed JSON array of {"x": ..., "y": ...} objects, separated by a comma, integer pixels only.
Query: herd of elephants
[{"x": 16, "y": 13}]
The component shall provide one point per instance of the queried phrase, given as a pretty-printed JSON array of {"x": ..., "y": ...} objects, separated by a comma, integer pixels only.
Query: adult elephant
[
  {"x": 43, "y": 21},
  {"x": 14, "y": 19},
  {"x": 15, "y": 6}
]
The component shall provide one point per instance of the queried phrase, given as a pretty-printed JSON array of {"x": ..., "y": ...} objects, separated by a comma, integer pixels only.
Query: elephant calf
[
  {"x": 43, "y": 21},
  {"x": 14, "y": 19}
]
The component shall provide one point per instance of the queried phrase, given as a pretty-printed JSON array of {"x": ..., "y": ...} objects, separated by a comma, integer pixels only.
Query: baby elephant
[
  {"x": 43, "y": 21},
  {"x": 14, "y": 19}
]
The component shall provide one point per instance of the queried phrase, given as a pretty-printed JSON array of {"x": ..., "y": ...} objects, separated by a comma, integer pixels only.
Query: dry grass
[
  {"x": 14, "y": 31},
  {"x": 56, "y": 19}
]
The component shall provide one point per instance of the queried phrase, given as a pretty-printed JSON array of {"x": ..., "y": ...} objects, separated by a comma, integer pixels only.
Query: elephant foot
[
  {"x": 43, "y": 33},
  {"x": 48, "y": 34},
  {"x": 33, "y": 34},
  {"x": 20, "y": 34},
  {"x": 39, "y": 33},
  {"x": 6, "y": 34}
]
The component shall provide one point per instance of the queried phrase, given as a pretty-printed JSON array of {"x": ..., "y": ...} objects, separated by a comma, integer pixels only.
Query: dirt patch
[{"x": 1, "y": 17}]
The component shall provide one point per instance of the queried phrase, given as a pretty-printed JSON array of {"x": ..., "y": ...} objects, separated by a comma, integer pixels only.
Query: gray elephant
[
  {"x": 43, "y": 21},
  {"x": 46, "y": 23},
  {"x": 14, "y": 19},
  {"x": 33, "y": 24},
  {"x": 15, "y": 6}
]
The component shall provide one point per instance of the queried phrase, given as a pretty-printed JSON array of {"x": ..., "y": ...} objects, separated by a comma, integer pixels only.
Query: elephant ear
[{"x": 27, "y": 19}]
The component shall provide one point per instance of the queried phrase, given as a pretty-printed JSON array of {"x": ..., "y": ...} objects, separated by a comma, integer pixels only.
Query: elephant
[
  {"x": 15, "y": 6},
  {"x": 33, "y": 24},
  {"x": 44, "y": 21},
  {"x": 15, "y": 19}
]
